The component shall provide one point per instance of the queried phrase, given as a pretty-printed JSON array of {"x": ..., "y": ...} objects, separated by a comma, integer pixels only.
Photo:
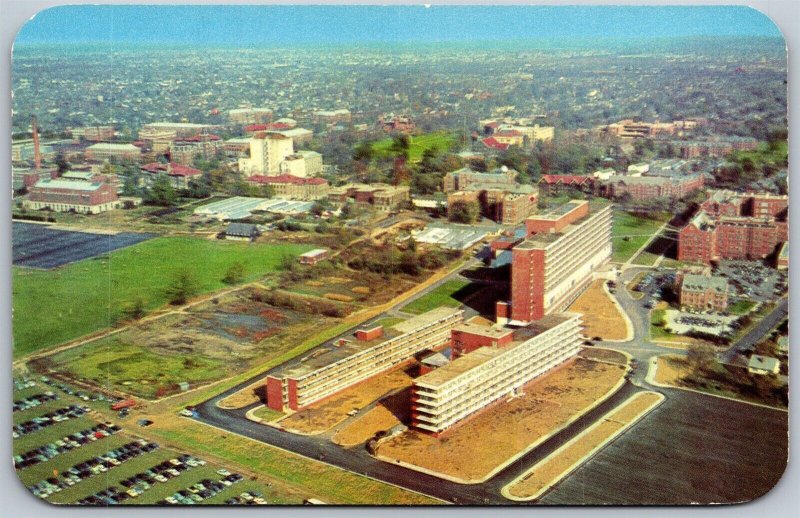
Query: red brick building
[
  {"x": 555, "y": 184},
  {"x": 737, "y": 226},
  {"x": 647, "y": 187},
  {"x": 180, "y": 176},
  {"x": 703, "y": 292},
  {"x": 56, "y": 194},
  {"x": 556, "y": 262}
]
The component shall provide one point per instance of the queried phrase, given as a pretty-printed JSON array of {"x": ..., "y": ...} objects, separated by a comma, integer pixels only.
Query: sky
[{"x": 285, "y": 25}]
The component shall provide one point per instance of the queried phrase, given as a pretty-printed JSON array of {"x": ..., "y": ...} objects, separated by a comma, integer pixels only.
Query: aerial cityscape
[{"x": 399, "y": 255}]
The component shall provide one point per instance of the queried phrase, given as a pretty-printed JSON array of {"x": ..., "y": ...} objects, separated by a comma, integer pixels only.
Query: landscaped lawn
[
  {"x": 267, "y": 414},
  {"x": 440, "y": 140},
  {"x": 54, "y": 306},
  {"x": 657, "y": 332},
  {"x": 741, "y": 307},
  {"x": 444, "y": 295},
  {"x": 629, "y": 233}
]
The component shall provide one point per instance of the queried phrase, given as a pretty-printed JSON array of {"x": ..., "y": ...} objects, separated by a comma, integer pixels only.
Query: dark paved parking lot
[
  {"x": 38, "y": 246},
  {"x": 693, "y": 448}
]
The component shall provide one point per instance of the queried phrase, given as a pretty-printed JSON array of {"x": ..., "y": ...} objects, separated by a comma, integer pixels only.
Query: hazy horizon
[{"x": 275, "y": 26}]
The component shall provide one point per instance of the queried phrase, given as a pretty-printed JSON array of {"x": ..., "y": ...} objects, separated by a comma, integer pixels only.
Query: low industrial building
[
  {"x": 351, "y": 360},
  {"x": 104, "y": 151},
  {"x": 452, "y": 237},
  {"x": 240, "y": 207}
]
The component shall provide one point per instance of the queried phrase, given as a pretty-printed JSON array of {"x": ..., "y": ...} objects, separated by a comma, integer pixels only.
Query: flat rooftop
[
  {"x": 545, "y": 238},
  {"x": 330, "y": 353},
  {"x": 483, "y": 330},
  {"x": 456, "y": 368}
]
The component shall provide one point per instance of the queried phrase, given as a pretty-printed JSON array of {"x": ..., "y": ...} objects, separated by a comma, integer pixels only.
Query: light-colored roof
[
  {"x": 426, "y": 318},
  {"x": 763, "y": 363},
  {"x": 75, "y": 185},
  {"x": 694, "y": 282},
  {"x": 186, "y": 125},
  {"x": 478, "y": 357},
  {"x": 435, "y": 360},
  {"x": 314, "y": 253},
  {"x": 108, "y": 146}
]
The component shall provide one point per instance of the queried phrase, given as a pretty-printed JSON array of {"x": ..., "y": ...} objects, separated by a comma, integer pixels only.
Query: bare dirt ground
[
  {"x": 247, "y": 396},
  {"x": 601, "y": 317},
  {"x": 605, "y": 355},
  {"x": 321, "y": 417},
  {"x": 555, "y": 467},
  {"x": 376, "y": 420},
  {"x": 671, "y": 370},
  {"x": 472, "y": 450}
]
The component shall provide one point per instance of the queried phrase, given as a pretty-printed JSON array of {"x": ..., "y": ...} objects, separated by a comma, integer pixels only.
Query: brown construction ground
[
  {"x": 604, "y": 355},
  {"x": 555, "y": 467},
  {"x": 671, "y": 370},
  {"x": 601, "y": 317},
  {"x": 472, "y": 450},
  {"x": 321, "y": 417}
]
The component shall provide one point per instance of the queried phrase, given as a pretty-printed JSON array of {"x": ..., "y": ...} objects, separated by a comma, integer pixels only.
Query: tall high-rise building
[
  {"x": 267, "y": 151},
  {"x": 555, "y": 263}
]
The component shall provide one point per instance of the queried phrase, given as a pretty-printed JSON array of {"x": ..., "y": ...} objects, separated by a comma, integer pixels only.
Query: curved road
[{"x": 358, "y": 460}]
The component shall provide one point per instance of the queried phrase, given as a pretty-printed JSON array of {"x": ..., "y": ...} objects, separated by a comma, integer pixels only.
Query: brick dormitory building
[
  {"x": 490, "y": 365},
  {"x": 487, "y": 362},
  {"x": 730, "y": 225},
  {"x": 555, "y": 263},
  {"x": 351, "y": 360}
]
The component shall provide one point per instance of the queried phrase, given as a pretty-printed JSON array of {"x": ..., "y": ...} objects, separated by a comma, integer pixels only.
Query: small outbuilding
[
  {"x": 763, "y": 365},
  {"x": 242, "y": 232},
  {"x": 314, "y": 256}
]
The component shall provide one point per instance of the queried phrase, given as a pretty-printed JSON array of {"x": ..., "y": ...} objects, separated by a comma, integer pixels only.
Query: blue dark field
[{"x": 38, "y": 246}]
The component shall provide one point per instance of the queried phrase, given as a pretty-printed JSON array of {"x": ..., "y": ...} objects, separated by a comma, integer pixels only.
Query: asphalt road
[
  {"x": 358, "y": 460},
  {"x": 757, "y": 333}
]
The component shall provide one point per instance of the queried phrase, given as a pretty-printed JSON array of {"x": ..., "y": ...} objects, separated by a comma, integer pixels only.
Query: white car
[
  {"x": 186, "y": 413},
  {"x": 223, "y": 472}
]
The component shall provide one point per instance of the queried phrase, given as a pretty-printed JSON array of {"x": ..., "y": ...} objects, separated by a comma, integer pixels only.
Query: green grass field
[
  {"x": 629, "y": 233},
  {"x": 741, "y": 307},
  {"x": 440, "y": 140},
  {"x": 55, "y": 306},
  {"x": 135, "y": 370},
  {"x": 658, "y": 332},
  {"x": 645, "y": 258},
  {"x": 777, "y": 156},
  {"x": 444, "y": 295}
]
